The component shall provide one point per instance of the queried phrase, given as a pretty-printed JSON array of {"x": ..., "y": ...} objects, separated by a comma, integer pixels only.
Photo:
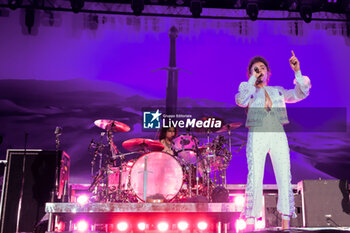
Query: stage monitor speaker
[
  {"x": 273, "y": 217},
  {"x": 325, "y": 203},
  {"x": 39, "y": 180}
]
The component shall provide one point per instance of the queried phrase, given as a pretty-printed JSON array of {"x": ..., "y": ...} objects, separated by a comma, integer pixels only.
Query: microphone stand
[{"x": 22, "y": 183}]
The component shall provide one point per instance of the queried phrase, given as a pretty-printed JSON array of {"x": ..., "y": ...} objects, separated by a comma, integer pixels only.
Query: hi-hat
[
  {"x": 210, "y": 129},
  {"x": 112, "y": 126},
  {"x": 228, "y": 127},
  {"x": 139, "y": 144}
]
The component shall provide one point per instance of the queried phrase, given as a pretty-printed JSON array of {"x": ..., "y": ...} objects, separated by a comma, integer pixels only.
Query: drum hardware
[
  {"x": 157, "y": 176},
  {"x": 112, "y": 126},
  {"x": 166, "y": 179},
  {"x": 186, "y": 148},
  {"x": 228, "y": 128},
  {"x": 142, "y": 144},
  {"x": 98, "y": 152}
]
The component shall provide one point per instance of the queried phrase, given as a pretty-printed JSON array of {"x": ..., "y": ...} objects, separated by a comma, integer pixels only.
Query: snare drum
[
  {"x": 164, "y": 176},
  {"x": 185, "y": 146}
]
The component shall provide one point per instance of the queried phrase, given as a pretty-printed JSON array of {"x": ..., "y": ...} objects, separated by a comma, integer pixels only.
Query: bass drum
[{"x": 164, "y": 176}]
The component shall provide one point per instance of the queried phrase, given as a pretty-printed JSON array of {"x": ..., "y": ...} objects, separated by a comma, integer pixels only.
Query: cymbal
[
  {"x": 231, "y": 126},
  {"x": 207, "y": 129},
  {"x": 139, "y": 144},
  {"x": 111, "y": 125}
]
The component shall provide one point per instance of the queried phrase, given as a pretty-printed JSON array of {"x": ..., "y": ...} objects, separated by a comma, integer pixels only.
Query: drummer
[{"x": 166, "y": 137}]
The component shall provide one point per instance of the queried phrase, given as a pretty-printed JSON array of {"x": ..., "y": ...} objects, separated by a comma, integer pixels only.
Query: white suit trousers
[{"x": 260, "y": 142}]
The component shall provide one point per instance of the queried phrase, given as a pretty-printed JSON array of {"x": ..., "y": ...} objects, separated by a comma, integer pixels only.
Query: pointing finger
[{"x": 293, "y": 53}]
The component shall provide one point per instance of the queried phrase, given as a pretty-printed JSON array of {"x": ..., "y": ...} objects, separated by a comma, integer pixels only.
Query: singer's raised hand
[{"x": 294, "y": 62}]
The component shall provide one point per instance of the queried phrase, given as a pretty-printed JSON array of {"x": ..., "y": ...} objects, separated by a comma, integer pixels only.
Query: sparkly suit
[{"x": 266, "y": 135}]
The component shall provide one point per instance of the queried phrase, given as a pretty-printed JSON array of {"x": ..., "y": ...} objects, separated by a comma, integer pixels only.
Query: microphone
[
  {"x": 256, "y": 69},
  {"x": 58, "y": 130},
  {"x": 258, "y": 79}
]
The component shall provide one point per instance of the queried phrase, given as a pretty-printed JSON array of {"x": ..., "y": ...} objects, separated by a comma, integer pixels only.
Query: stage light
[
  {"x": 240, "y": 225},
  {"x": 196, "y": 8},
  {"x": 252, "y": 9},
  {"x": 259, "y": 225},
  {"x": 202, "y": 225},
  {"x": 83, "y": 199},
  {"x": 182, "y": 226},
  {"x": 122, "y": 226},
  {"x": 163, "y": 226},
  {"x": 29, "y": 18},
  {"x": 77, "y": 5},
  {"x": 309, "y": 6},
  {"x": 141, "y": 226},
  {"x": 82, "y": 226},
  {"x": 14, "y": 4},
  {"x": 306, "y": 13},
  {"x": 137, "y": 6},
  {"x": 239, "y": 200}
]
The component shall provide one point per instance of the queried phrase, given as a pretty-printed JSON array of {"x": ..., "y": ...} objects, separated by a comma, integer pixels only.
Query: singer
[{"x": 265, "y": 119}]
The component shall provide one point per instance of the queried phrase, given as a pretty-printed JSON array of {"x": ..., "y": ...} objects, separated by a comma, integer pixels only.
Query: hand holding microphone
[{"x": 258, "y": 75}]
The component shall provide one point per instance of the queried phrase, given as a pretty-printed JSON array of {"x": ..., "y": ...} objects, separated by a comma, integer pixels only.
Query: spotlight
[
  {"x": 14, "y": 4},
  {"x": 202, "y": 225},
  {"x": 137, "y": 6},
  {"x": 240, "y": 225},
  {"x": 141, "y": 226},
  {"x": 259, "y": 225},
  {"x": 122, "y": 226},
  {"x": 182, "y": 226},
  {"x": 196, "y": 8},
  {"x": 306, "y": 12},
  {"x": 82, "y": 226},
  {"x": 83, "y": 199},
  {"x": 163, "y": 226},
  {"x": 29, "y": 18},
  {"x": 76, "y": 5},
  {"x": 239, "y": 200},
  {"x": 252, "y": 9}
]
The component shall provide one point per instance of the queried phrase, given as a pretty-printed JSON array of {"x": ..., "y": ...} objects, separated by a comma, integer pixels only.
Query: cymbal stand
[
  {"x": 145, "y": 172},
  {"x": 197, "y": 173},
  {"x": 208, "y": 165},
  {"x": 97, "y": 152},
  {"x": 189, "y": 168}
]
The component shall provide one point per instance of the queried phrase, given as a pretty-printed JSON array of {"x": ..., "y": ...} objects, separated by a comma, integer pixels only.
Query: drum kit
[{"x": 155, "y": 176}]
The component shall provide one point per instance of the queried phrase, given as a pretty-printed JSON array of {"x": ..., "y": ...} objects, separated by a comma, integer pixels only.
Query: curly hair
[{"x": 255, "y": 60}]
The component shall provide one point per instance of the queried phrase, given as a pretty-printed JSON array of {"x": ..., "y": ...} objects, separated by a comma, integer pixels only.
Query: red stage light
[
  {"x": 182, "y": 226},
  {"x": 141, "y": 226},
  {"x": 240, "y": 225},
  {"x": 163, "y": 226},
  {"x": 83, "y": 199},
  {"x": 122, "y": 226},
  {"x": 202, "y": 225},
  {"x": 82, "y": 226}
]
